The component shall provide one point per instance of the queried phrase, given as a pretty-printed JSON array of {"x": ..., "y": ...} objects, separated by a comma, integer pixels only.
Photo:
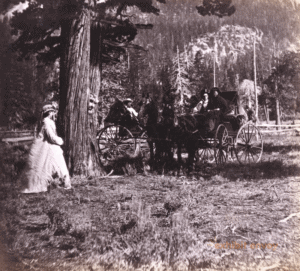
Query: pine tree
[
  {"x": 280, "y": 83},
  {"x": 62, "y": 29},
  {"x": 179, "y": 79}
]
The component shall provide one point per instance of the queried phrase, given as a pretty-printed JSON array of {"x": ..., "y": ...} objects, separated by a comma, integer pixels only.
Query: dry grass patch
[{"x": 222, "y": 218}]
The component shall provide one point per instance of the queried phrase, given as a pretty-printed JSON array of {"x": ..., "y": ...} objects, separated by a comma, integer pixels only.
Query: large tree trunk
[
  {"x": 79, "y": 137},
  {"x": 95, "y": 69},
  {"x": 95, "y": 87}
]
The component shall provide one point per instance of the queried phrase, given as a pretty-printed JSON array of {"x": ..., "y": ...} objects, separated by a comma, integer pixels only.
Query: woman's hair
[
  {"x": 40, "y": 123},
  {"x": 45, "y": 115}
]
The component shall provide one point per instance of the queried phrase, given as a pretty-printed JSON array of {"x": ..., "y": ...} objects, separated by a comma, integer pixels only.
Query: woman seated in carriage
[{"x": 197, "y": 104}]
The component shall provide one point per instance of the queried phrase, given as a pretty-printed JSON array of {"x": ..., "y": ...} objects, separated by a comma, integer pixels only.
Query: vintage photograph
[{"x": 150, "y": 135}]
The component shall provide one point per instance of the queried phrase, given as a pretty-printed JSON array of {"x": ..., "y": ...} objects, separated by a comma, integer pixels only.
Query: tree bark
[
  {"x": 267, "y": 113},
  {"x": 278, "y": 122},
  {"x": 79, "y": 137},
  {"x": 95, "y": 89}
]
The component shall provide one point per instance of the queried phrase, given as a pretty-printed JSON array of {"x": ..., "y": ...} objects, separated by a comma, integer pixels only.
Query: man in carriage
[
  {"x": 217, "y": 102},
  {"x": 128, "y": 104}
]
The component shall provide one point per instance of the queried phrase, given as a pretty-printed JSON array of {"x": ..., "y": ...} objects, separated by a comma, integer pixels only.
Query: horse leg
[
  {"x": 191, "y": 146},
  {"x": 190, "y": 160},
  {"x": 179, "y": 159},
  {"x": 151, "y": 161},
  {"x": 157, "y": 155},
  {"x": 168, "y": 155}
]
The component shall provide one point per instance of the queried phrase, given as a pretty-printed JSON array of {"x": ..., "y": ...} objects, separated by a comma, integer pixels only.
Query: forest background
[
  {"x": 69, "y": 51},
  {"x": 178, "y": 32}
]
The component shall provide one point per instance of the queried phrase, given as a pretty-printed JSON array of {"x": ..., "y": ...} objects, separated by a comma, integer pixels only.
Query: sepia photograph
[{"x": 149, "y": 135}]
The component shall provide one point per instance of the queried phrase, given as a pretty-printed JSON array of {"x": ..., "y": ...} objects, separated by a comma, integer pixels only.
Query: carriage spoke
[
  {"x": 115, "y": 141},
  {"x": 221, "y": 144},
  {"x": 252, "y": 132},
  {"x": 206, "y": 154},
  {"x": 251, "y": 151}
]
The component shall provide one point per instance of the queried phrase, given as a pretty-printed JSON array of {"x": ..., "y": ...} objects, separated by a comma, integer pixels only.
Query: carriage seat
[{"x": 236, "y": 121}]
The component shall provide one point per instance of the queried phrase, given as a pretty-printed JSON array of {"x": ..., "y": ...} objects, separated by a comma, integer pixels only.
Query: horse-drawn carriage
[
  {"x": 121, "y": 134},
  {"x": 233, "y": 136}
]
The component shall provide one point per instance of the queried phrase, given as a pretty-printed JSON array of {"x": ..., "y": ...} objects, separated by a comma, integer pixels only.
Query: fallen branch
[
  {"x": 270, "y": 267},
  {"x": 108, "y": 175},
  {"x": 290, "y": 216}
]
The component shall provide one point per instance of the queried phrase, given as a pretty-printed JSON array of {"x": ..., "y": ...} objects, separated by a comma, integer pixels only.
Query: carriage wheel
[
  {"x": 205, "y": 153},
  {"x": 221, "y": 145},
  {"x": 115, "y": 141},
  {"x": 248, "y": 144}
]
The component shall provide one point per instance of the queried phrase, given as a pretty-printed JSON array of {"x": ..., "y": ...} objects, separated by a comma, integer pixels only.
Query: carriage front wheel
[
  {"x": 221, "y": 145},
  {"x": 248, "y": 145},
  {"x": 115, "y": 141},
  {"x": 205, "y": 152}
]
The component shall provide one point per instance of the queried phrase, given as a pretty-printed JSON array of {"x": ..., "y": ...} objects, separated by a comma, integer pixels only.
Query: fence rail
[
  {"x": 27, "y": 136},
  {"x": 283, "y": 128},
  {"x": 17, "y": 137}
]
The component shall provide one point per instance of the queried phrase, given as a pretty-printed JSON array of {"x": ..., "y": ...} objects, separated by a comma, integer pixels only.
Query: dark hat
[
  {"x": 215, "y": 89},
  {"x": 127, "y": 100}
]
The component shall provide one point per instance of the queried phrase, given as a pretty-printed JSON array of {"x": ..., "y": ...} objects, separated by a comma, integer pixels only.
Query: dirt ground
[{"x": 220, "y": 218}]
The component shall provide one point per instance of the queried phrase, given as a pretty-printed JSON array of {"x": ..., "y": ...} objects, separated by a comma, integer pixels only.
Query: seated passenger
[
  {"x": 202, "y": 106},
  {"x": 191, "y": 103},
  {"x": 217, "y": 102},
  {"x": 128, "y": 104}
]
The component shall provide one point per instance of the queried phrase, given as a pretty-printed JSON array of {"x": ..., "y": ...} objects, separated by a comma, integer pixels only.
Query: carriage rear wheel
[
  {"x": 248, "y": 144},
  {"x": 221, "y": 145},
  {"x": 115, "y": 141}
]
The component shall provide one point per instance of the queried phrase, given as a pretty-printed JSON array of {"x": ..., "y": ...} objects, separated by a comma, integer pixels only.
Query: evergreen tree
[
  {"x": 63, "y": 29},
  {"x": 180, "y": 81},
  {"x": 280, "y": 83}
]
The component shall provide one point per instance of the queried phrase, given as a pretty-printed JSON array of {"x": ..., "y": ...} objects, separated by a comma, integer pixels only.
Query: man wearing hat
[
  {"x": 128, "y": 104},
  {"x": 217, "y": 102},
  {"x": 46, "y": 157}
]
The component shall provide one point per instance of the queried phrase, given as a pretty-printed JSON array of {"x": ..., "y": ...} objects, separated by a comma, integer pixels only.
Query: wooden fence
[
  {"x": 27, "y": 136},
  {"x": 17, "y": 137},
  {"x": 284, "y": 128}
]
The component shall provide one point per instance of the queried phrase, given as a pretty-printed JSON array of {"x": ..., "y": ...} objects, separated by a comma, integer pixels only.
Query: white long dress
[{"x": 45, "y": 160}]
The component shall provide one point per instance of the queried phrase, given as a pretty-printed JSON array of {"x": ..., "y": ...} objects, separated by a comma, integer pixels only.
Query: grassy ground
[{"x": 221, "y": 218}]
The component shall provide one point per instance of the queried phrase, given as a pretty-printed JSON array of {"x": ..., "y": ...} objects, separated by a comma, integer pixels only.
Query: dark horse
[
  {"x": 158, "y": 132},
  {"x": 188, "y": 132},
  {"x": 170, "y": 130}
]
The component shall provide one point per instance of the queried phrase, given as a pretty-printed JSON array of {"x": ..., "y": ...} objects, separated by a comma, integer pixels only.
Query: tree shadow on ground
[
  {"x": 270, "y": 148},
  {"x": 263, "y": 170}
]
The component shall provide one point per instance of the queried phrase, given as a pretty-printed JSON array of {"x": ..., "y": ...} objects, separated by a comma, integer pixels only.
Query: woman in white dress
[{"x": 46, "y": 158}]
